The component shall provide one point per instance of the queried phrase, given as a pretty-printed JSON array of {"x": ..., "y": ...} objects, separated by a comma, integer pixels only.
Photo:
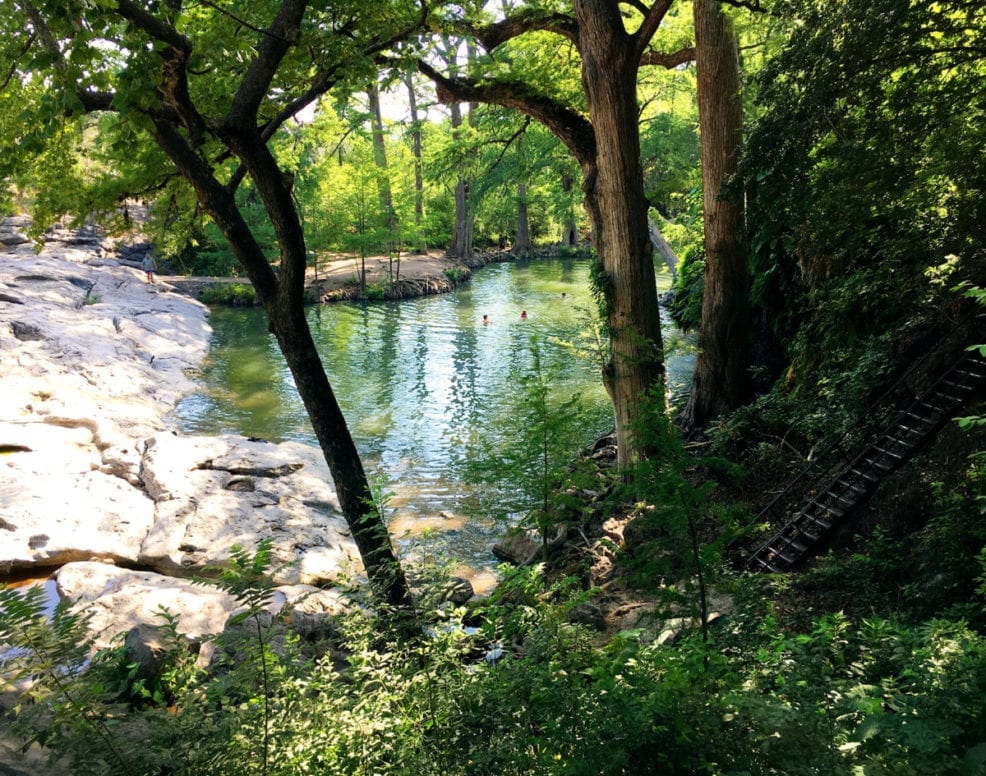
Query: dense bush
[
  {"x": 841, "y": 696},
  {"x": 236, "y": 294}
]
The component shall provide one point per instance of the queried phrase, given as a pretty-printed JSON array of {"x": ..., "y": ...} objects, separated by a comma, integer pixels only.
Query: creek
[{"x": 420, "y": 380}]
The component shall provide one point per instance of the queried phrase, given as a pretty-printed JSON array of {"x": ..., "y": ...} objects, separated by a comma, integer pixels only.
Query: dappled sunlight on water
[{"x": 424, "y": 385}]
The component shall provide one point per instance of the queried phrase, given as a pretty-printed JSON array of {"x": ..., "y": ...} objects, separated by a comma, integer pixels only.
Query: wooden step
[
  {"x": 850, "y": 502},
  {"x": 862, "y": 473},
  {"x": 765, "y": 565},
  {"x": 790, "y": 560},
  {"x": 919, "y": 432},
  {"x": 874, "y": 462},
  {"x": 852, "y": 485},
  {"x": 793, "y": 543},
  {"x": 922, "y": 419},
  {"x": 886, "y": 451},
  {"x": 958, "y": 386},
  {"x": 815, "y": 520}
]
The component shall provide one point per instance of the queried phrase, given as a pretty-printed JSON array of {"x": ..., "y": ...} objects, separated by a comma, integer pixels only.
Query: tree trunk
[
  {"x": 617, "y": 208},
  {"x": 522, "y": 245},
  {"x": 570, "y": 236},
  {"x": 721, "y": 380},
  {"x": 662, "y": 247},
  {"x": 607, "y": 147},
  {"x": 419, "y": 186},
  {"x": 388, "y": 215},
  {"x": 461, "y": 247},
  {"x": 283, "y": 299}
]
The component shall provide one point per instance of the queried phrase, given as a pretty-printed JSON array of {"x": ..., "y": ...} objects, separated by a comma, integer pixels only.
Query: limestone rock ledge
[
  {"x": 212, "y": 493},
  {"x": 117, "y": 599},
  {"x": 92, "y": 359}
]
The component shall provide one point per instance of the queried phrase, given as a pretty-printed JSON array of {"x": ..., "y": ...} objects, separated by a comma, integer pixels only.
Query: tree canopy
[{"x": 861, "y": 169}]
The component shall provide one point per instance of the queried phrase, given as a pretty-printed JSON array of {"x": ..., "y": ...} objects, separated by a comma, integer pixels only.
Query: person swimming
[
  {"x": 486, "y": 320},
  {"x": 523, "y": 314}
]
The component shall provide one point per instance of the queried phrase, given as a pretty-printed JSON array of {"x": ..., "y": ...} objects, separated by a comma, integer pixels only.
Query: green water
[{"x": 417, "y": 380}]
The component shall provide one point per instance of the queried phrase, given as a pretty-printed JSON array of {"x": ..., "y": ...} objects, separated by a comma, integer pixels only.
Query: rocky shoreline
[{"x": 96, "y": 488}]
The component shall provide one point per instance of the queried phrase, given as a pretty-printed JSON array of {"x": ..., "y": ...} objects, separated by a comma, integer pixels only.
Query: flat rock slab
[
  {"x": 212, "y": 493},
  {"x": 91, "y": 359},
  {"x": 91, "y": 345},
  {"x": 117, "y": 599}
]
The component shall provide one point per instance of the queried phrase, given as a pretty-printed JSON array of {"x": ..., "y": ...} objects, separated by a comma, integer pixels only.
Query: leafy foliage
[
  {"x": 235, "y": 294},
  {"x": 877, "y": 694},
  {"x": 861, "y": 173}
]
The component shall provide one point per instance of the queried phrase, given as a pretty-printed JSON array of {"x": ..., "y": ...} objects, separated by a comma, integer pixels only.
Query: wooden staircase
[{"x": 828, "y": 499}]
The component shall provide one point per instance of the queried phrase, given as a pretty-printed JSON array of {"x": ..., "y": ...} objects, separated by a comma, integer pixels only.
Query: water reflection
[{"x": 417, "y": 380}]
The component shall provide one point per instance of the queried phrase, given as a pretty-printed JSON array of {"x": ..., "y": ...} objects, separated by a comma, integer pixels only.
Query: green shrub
[
  {"x": 235, "y": 294},
  {"x": 456, "y": 275},
  {"x": 376, "y": 292},
  {"x": 528, "y": 694},
  {"x": 686, "y": 307}
]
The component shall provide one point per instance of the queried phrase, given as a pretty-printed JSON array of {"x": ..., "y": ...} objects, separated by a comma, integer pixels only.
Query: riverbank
[
  {"x": 96, "y": 487},
  {"x": 338, "y": 278}
]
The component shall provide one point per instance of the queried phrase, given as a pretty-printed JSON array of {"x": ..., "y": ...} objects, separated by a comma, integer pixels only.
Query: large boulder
[
  {"x": 212, "y": 493},
  {"x": 524, "y": 546}
]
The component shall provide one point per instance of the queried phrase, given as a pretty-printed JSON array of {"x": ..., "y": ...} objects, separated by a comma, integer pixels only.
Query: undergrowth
[
  {"x": 840, "y": 697},
  {"x": 234, "y": 294},
  {"x": 512, "y": 685}
]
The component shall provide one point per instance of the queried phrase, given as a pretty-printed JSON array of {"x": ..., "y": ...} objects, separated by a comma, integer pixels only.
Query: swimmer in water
[
  {"x": 486, "y": 320},
  {"x": 523, "y": 314}
]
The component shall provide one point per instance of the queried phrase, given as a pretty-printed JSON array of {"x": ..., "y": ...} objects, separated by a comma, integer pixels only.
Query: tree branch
[
  {"x": 531, "y": 20},
  {"x": 96, "y": 102},
  {"x": 648, "y": 28},
  {"x": 573, "y": 129},
  {"x": 153, "y": 26},
  {"x": 43, "y": 31},
  {"x": 668, "y": 60},
  {"x": 242, "y": 22},
  {"x": 13, "y": 65},
  {"x": 283, "y": 33},
  {"x": 325, "y": 80},
  {"x": 507, "y": 143},
  {"x": 749, "y": 5}
]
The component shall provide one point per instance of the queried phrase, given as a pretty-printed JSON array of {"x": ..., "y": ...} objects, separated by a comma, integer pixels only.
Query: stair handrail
[
  {"x": 768, "y": 509},
  {"x": 862, "y": 450}
]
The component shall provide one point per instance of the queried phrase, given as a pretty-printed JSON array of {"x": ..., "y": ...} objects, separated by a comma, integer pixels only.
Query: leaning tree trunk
[
  {"x": 617, "y": 208},
  {"x": 282, "y": 297},
  {"x": 663, "y": 248},
  {"x": 721, "y": 380}
]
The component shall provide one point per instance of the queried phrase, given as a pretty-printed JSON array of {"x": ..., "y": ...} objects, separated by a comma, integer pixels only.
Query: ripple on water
[{"x": 422, "y": 382}]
